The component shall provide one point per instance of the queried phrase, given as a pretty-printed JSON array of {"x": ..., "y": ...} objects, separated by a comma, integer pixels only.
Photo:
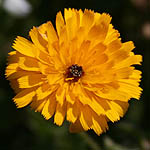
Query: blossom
[{"x": 80, "y": 71}]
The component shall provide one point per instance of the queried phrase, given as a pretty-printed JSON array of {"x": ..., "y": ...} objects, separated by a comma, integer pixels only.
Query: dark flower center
[{"x": 74, "y": 72}]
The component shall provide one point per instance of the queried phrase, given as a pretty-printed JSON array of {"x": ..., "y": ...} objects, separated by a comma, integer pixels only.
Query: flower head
[{"x": 81, "y": 71}]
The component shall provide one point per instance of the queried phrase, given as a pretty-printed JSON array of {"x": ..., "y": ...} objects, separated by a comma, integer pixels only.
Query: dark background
[{"x": 23, "y": 129}]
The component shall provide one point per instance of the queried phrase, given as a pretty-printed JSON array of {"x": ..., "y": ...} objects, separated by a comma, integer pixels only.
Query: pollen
[{"x": 74, "y": 72}]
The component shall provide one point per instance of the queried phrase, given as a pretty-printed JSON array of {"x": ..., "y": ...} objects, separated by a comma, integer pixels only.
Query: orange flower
[{"x": 81, "y": 71}]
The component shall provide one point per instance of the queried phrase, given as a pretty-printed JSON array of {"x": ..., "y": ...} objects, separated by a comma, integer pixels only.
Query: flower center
[{"x": 73, "y": 73}]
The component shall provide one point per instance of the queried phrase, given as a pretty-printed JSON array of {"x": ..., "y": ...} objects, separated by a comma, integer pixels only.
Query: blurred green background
[{"x": 26, "y": 130}]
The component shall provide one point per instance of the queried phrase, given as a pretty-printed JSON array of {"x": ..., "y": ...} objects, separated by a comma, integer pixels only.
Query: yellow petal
[
  {"x": 132, "y": 60},
  {"x": 17, "y": 74},
  {"x": 112, "y": 113},
  {"x": 71, "y": 19},
  {"x": 113, "y": 46},
  {"x": 99, "y": 123},
  {"x": 85, "y": 118},
  {"x": 49, "y": 107},
  {"x": 37, "y": 39},
  {"x": 98, "y": 78},
  {"x": 51, "y": 33},
  {"x": 28, "y": 64},
  {"x": 59, "y": 22},
  {"x": 11, "y": 69},
  {"x": 99, "y": 30},
  {"x": 99, "y": 59},
  {"x": 136, "y": 75},
  {"x": 113, "y": 94},
  {"x": 72, "y": 50},
  {"x": 81, "y": 34},
  {"x": 80, "y": 58},
  {"x": 30, "y": 80},
  {"x": 95, "y": 32},
  {"x": 24, "y": 97},
  {"x": 112, "y": 35},
  {"x": 124, "y": 105},
  {"x": 42, "y": 57},
  {"x": 37, "y": 105},
  {"x": 13, "y": 57},
  {"x": 124, "y": 72},
  {"x": 64, "y": 55},
  {"x": 87, "y": 19},
  {"x": 46, "y": 69},
  {"x": 99, "y": 48},
  {"x": 119, "y": 56},
  {"x": 52, "y": 39},
  {"x": 60, "y": 114},
  {"x": 72, "y": 112},
  {"x": 97, "y": 107},
  {"x": 54, "y": 78},
  {"x": 104, "y": 19},
  {"x": 42, "y": 30},
  {"x": 70, "y": 97},
  {"x": 96, "y": 126},
  {"x": 91, "y": 100},
  {"x": 131, "y": 88},
  {"x": 63, "y": 37},
  {"x": 61, "y": 94},
  {"x": 117, "y": 106},
  {"x": 81, "y": 94},
  {"x": 104, "y": 104},
  {"x": 24, "y": 46},
  {"x": 44, "y": 90},
  {"x": 96, "y": 16},
  {"x": 128, "y": 46},
  {"x": 67, "y": 14}
]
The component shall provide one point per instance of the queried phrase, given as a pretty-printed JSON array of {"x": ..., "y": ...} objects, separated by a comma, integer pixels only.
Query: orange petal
[
  {"x": 24, "y": 97},
  {"x": 38, "y": 40},
  {"x": 59, "y": 22},
  {"x": 99, "y": 124},
  {"x": 43, "y": 91},
  {"x": 132, "y": 60},
  {"x": 61, "y": 94},
  {"x": 113, "y": 46},
  {"x": 30, "y": 80},
  {"x": 28, "y": 64},
  {"x": 49, "y": 107},
  {"x": 76, "y": 127},
  {"x": 37, "y": 105},
  {"x": 86, "y": 117},
  {"x": 87, "y": 19},
  {"x": 131, "y": 87},
  {"x": 24, "y": 46},
  {"x": 72, "y": 112},
  {"x": 11, "y": 69},
  {"x": 54, "y": 78},
  {"x": 60, "y": 114}
]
